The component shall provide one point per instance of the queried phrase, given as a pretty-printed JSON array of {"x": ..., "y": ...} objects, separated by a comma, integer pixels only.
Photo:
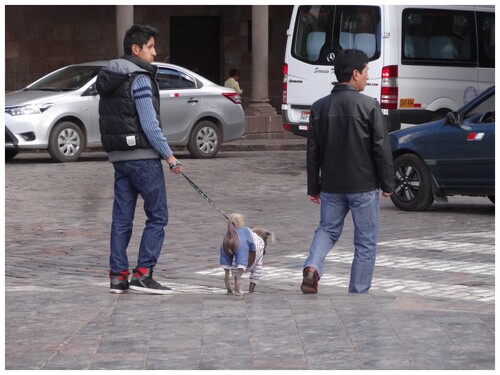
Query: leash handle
[{"x": 195, "y": 187}]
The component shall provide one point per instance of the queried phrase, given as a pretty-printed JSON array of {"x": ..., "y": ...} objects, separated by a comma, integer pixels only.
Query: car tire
[
  {"x": 10, "y": 154},
  {"x": 66, "y": 142},
  {"x": 413, "y": 188},
  {"x": 205, "y": 140}
]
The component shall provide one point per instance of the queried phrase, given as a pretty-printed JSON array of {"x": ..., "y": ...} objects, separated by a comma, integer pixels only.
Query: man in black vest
[{"x": 131, "y": 134}]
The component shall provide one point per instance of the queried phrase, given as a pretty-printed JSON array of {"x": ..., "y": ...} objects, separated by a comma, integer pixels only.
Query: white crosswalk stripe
[
  {"x": 416, "y": 263},
  {"x": 481, "y": 292},
  {"x": 422, "y": 288},
  {"x": 421, "y": 244}
]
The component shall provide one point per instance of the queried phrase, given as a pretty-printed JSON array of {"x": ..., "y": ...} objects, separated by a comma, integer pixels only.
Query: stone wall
[
  {"x": 42, "y": 38},
  {"x": 266, "y": 127}
]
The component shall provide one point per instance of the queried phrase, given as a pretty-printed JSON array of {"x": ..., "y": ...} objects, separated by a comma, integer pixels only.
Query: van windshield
[{"x": 323, "y": 30}]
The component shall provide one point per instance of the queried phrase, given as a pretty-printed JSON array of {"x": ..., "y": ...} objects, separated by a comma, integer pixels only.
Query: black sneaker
[
  {"x": 118, "y": 282},
  {"x": 142, "y": 281}
]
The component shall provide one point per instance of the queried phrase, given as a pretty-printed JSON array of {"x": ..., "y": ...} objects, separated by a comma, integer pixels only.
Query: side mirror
[
  {"x": 452, "y": 118},
  {"x": 91, "y": 91}
]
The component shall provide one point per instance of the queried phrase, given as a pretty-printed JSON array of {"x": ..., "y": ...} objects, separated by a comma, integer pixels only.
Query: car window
[
  {"x": 170, "y": 79},
  {"x": 68, "y": 79},
  {"x": 483, "y": 113},
  {"x": 486, "y": 106}
]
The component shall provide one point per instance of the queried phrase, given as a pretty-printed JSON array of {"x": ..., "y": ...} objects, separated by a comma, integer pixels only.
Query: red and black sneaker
[
  {"x": 118, "y": 281},
  {"x": 310, "y": 281},
  {"x": 143, "y": 282}
]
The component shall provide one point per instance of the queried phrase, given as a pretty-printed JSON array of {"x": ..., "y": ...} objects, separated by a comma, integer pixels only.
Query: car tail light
[
  {"x": 233, "y": 96},
  {"x": 285, "y": 85},
  {"x": 284, "y": 103},
  {"x": 389, "y": 88}
]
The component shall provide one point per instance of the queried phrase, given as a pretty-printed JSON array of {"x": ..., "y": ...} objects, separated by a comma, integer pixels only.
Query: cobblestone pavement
[{"x": 432, "y": 304}]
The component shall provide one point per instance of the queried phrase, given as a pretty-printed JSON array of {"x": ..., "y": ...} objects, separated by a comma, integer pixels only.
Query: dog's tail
[{"x": 264, "y": 234}]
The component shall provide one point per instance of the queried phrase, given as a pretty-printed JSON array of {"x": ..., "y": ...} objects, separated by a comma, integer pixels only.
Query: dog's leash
[{"x": 195, "y": 187}]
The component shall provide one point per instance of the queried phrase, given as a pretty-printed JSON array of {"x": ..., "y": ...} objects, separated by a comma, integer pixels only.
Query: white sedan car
[{"x": 59, "y": 112}]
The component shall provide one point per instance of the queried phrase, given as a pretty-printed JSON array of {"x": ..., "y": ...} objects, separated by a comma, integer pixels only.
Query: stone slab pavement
[{"x": 431, "y": 307}]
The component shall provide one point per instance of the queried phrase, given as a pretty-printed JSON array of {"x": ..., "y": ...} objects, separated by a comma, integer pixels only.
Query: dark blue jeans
[{"x": 134, "y": 178}]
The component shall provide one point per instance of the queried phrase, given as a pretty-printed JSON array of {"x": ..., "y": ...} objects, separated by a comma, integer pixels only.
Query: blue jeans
[
  {"x": 365, "y": 214},
  {"x": 134, "y": 178}
]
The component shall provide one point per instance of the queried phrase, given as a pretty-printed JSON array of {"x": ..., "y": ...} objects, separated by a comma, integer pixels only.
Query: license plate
[
  {"x": 406, "y": 103},
  {"x": 304, "y": 116}
]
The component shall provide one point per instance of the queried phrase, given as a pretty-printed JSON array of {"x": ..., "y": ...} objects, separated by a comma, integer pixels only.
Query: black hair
[
  {"x": 137, "y": 34},
  {"x": 234, "y": 72},
  {"x": 347, "y": 61}
]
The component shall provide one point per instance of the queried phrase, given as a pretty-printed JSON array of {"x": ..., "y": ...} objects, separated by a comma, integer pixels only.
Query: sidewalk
[{"x": 431, "y": 305}]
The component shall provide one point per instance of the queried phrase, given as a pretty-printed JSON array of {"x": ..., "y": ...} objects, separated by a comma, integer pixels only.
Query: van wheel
[
  {"x": 10, "y": 154},
  {"x": 66, "y": 142},
  {"x": 205, "y": 140},
  {"x": 413, "y": 189}
]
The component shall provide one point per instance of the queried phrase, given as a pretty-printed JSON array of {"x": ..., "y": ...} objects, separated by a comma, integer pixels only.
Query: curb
[{"x": 243, "y": 146}]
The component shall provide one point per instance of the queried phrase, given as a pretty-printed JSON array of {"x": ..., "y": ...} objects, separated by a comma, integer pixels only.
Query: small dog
[{"x": 242, "y": 251}]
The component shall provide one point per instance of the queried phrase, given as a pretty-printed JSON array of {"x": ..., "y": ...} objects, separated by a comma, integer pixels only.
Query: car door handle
[{"x": 192, "y": 100}]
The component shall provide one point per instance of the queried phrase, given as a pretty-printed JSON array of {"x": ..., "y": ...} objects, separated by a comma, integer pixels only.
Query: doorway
[{"x": 195, "y": 44}]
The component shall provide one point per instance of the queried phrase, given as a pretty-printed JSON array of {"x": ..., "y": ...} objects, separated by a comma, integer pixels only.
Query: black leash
[{"x": 203, "y": 194}]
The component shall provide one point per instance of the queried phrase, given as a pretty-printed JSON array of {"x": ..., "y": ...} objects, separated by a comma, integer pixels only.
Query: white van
[{"x": 423, "y": 60}]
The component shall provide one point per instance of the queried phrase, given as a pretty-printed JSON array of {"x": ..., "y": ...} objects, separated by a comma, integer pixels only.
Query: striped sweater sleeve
[
  {"x": 143, "y": 96},
  {"x": 256, "y": 271}
]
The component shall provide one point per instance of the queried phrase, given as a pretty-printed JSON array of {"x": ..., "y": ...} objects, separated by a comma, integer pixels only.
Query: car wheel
[
  {"x": 10, "y": 154},
  {"x": 66, "y": 142},
  {"x": 205, "y": 140},
  {"x": 491, "y": 198},
  {"x": 413, "y": 189}
]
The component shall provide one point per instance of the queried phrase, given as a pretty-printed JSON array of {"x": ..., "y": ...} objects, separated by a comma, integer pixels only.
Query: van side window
[
  {"x": 486, "y": 37},
  {"x": 438, "y": 37}
]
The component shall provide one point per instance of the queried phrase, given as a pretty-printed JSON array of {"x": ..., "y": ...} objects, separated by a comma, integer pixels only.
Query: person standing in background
[{"x": 232, "y": 81}]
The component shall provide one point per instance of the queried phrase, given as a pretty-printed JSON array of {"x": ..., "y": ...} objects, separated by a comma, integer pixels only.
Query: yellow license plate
[{"x": 406, "y": 103}]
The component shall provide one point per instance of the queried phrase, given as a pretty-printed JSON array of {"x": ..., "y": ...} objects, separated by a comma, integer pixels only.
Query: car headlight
[{"x": 32, "y": 109}]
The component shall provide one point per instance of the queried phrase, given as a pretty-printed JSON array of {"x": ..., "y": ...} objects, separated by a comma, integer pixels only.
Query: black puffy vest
[{"x": 118, "y": 119}]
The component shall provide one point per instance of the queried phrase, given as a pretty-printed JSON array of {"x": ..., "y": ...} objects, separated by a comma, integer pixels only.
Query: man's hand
[
  {"x": 385, "y": 194},
  {"x": 174, "y": 165},
  {"x": 314, "y": 198}
]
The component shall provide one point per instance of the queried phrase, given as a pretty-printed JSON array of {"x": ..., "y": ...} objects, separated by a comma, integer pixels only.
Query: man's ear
[
  {"x": 355, "y": 75},
  {"x": 135, "y": 49}
]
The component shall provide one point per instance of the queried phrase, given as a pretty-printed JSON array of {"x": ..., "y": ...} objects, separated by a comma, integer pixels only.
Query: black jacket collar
[{"x": 343, "y": 87}]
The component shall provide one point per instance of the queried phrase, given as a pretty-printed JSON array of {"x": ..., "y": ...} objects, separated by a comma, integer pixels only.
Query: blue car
[{"x": 451, "y": 156}]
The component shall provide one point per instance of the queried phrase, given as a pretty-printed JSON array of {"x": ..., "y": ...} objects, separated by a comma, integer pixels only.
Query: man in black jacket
[{"x": 348, "y": 160}]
